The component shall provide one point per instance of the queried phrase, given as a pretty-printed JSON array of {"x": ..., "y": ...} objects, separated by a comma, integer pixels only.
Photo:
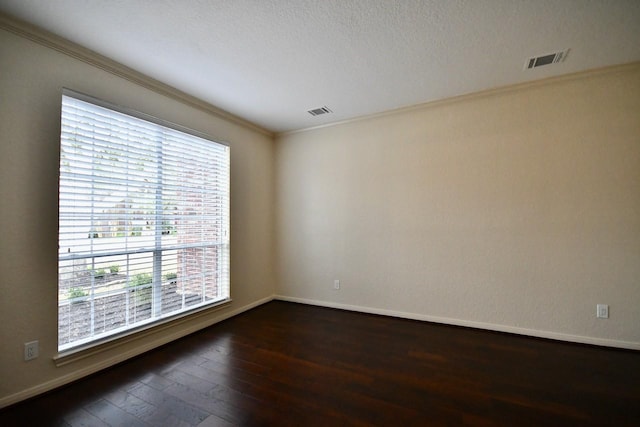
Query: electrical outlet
[
  {"x": 336, "y": 284},
  {"x": 30, "y": 350},
  {"x": 602, "y": 311}
]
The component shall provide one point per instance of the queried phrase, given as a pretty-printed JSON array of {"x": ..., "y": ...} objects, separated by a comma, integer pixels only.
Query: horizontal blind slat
[{"x": 138, "y": 201}]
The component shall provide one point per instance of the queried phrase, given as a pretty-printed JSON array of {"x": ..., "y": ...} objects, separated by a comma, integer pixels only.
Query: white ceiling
[{"x": 269, "y": 61}]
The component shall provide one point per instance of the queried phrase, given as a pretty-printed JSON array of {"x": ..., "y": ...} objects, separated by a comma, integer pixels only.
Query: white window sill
[{"x": 94, "y": 348}]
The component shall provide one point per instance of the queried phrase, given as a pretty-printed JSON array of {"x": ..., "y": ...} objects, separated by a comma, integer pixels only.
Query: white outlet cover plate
[
  {"x": 602, "y": 311},
  {"x": 30, "y": 350}
]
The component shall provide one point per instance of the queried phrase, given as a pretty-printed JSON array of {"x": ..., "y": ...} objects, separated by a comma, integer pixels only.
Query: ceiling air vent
[
  {"x": 552, "y": 58},
  {"x": 319, "y": 111}
]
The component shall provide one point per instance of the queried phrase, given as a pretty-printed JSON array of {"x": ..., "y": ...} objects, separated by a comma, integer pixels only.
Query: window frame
[{"x": 102, "y": 341}]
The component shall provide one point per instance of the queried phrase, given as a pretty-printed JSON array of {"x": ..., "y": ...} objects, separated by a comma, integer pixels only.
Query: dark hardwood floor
[{"x": 292, "y": 364}]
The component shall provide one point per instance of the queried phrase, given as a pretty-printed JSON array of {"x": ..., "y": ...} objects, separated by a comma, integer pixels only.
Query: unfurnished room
[{"x": 320, "y": 213}]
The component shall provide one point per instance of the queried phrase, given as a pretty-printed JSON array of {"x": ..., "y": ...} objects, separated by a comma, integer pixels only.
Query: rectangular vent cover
[
  {"x": 552, "y": 58},
  {"x": 319, "y": 111}
]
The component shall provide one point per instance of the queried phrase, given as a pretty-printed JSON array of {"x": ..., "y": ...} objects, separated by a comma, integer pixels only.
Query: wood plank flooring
[{"x": 287, "y": 364}]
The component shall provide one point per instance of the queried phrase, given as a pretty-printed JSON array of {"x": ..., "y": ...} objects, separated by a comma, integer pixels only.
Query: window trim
[
  {"x": 86, "y": 349},
  {"x": 80, "y": 352}
]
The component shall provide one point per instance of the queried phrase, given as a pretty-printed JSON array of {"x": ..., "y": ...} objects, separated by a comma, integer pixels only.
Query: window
[{"x": 143, "y": 221}]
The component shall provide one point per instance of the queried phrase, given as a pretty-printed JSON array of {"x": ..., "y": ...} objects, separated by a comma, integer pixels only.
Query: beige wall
[
  {"x": 515, "y": 210},
  {"x": 31, "y": 79}
]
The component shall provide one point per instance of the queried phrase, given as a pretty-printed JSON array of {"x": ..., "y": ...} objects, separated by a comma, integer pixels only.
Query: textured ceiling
[{"x": 269, "y": 61}]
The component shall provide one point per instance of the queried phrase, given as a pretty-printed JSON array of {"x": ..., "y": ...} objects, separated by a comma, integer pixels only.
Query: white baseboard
[
  {"x": 166, "y": 338},
  {"x": 629, "y": 345},
  {"x": 91, "y": 369}
]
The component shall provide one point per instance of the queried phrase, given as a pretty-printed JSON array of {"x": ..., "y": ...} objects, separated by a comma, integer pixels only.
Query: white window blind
[{"x": 143, "y": 221}]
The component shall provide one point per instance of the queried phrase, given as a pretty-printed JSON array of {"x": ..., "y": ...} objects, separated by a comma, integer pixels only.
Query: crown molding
[
  {"x": 73, "y": 50},
  {"x": 474, "y": 95}
]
